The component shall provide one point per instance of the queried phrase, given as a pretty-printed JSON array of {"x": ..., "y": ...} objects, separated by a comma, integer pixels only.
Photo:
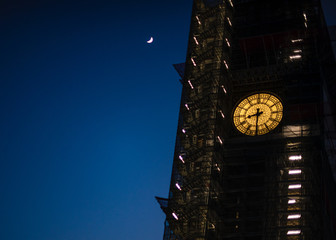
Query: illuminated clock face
[{"x": 258, "y": 114}]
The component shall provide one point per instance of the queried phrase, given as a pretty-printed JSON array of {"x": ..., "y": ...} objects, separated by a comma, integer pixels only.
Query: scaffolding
[{"x": 225, "y": 185}]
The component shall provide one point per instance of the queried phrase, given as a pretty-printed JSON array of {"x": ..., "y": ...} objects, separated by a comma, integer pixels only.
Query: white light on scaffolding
[
  {"x": 293, "y": 232},
  {"x": 294, "y": 186},
  {"x": 187, "y": 107},
  {"x": 222, "y": 114},
  {"x": 291, "y": 201},
  {"x": 295, "y": 157},
  {"x": 198, "y": 20},
  {"x": 192, "y": 87},
  {"x": 183, "y": 130},
  {"x": 295, "y": 171},
  {"x": 181, "y": 158},
  {"x": 297, "y": 40},
  {"x": 226, "y": 65},
  {"x": 306, "y": 25},
  {"x": 178, "y": 186},
  {"x": 293, "y": 57},
  {"x": 231, "y": 3},
  {"x": 229, "y": 21},
  {"x": 220, "y": 140},
  {"x": 297, "y": 51},
  {"x": 175, "y": 215},
  {"x": 294, "y": 216},
  {"x": 223, "y": 89},
  {"x": 305, "y": 16},
  {"x": 193, "y": 61},
  {"x": 218, "y": 169},
  {"x": 227, "y": 42},
  {"x": 196, "y": 40}
]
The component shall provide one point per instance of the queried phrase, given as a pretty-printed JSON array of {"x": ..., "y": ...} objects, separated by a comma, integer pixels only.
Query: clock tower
[{"x": 253, "y": 146}]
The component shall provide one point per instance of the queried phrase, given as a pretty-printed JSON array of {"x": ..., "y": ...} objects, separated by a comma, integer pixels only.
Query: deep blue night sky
[{"x": 88, "y": 116}]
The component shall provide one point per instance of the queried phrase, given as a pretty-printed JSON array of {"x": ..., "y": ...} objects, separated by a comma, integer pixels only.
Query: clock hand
[{"x": 257, "y": 114}]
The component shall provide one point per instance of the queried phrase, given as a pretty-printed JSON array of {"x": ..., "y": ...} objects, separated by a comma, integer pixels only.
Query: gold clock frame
[{"x": 258, "y": 114}]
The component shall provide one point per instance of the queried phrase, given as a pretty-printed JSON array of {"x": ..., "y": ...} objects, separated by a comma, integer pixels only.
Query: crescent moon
[{"x": 150, "y": 40}]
